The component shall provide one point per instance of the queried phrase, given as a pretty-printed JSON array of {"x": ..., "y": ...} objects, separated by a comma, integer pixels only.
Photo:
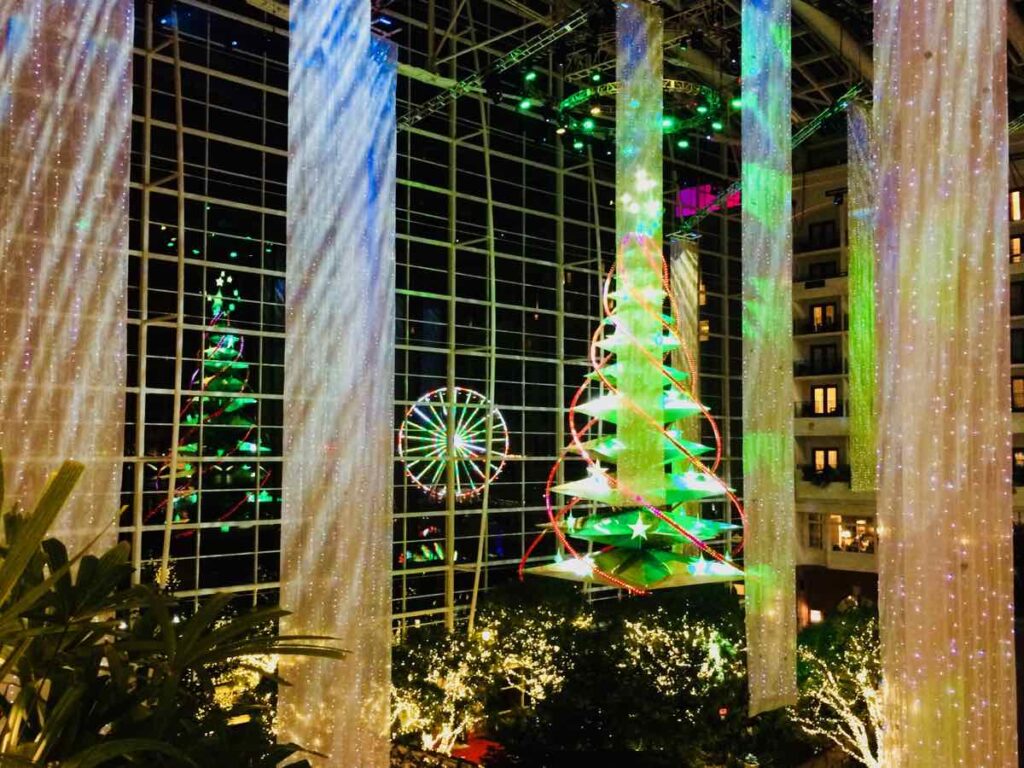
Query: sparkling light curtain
[
  {"x": 65, "y": 117},
  {"x": 863, "y": 355},
  {"x": 685, "y": 273},
  {"x": 944, "y": 502},
  {"x": 638, "y": 232},
  {"x": 339, "y": 352},
  {"x": 768, "y": 468}
]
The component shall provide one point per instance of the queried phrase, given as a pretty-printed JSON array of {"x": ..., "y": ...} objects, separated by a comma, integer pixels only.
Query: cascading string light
[
  {"x": 336, "y": 526},
  {"x": 944, "y": 500},
  {"x": 64, "y": 150},
  {"x": 768, "y": 465},
  {"x": 862, "y": 358}
]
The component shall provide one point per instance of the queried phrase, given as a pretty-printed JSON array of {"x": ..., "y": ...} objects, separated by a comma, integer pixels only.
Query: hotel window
[
  {"x": 1016, "y": 250},
  {"x": 702, "y": 292},
  {"x": 823, "y": 316},
  {"x": 1018, "y": 467},
  {"x": 1015, "y": 205},
  {"x": 705, "y": 330},
  {"x": 814, "y": 531},
  {"x": 1017, "y": 298},
  {"x": 1017, "y": 346},
  {"x": 826, "y": 458},
  {"x": 825, "y": 400},
  {"x": 823, "y": 234},
  {"x": 853, "y": 534},
  {"x": 1017, "y": 392},
  {"x": 825, "y": 357}
]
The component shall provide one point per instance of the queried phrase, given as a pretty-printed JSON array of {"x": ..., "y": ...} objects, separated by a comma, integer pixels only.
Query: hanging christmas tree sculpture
[
  {"x": 629, "y": 527},
  {"x": 220, "y": 443}
]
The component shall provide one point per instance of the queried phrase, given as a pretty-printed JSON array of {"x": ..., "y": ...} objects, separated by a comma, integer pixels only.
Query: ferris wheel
[{"x": 477, "y": 449}]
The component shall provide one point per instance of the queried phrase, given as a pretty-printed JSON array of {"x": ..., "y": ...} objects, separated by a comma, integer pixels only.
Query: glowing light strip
[
  {"x": 945, "y": 487},
  {"x": 65, "y": 93},
  {"x": 768, "y": 467},
  {"x": 863, "y": 358},
  {"x": 339, "y": 398}
]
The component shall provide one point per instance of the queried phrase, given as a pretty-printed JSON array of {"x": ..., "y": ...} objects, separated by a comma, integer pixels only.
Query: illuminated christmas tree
[
  {"x": 220, "y": 442},
  {"x": 647, "y": 539}
]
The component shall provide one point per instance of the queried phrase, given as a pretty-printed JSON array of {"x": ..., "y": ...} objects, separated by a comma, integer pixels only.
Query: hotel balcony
[{"x": 808, "y": 423}]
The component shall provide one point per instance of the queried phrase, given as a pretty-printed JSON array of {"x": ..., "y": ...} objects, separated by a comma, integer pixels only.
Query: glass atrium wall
[{"x": 553, "y": 239}]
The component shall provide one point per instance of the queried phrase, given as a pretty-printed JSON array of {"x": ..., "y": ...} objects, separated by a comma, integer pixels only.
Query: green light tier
[
  {"x": 660, "y": 343},
  {"x": 638, "y": 529},
  {"x": 649, "y": 568},
  {"x": 687, "y": 486},
  {"x": 612, "y": 372},
  {"x": 611, "y": 447},
  {"x": 608, "y": 408}
]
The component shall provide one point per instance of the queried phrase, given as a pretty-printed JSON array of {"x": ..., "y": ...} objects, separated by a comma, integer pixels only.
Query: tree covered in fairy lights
[
  {"x": 220, "y": 442},
  {"x": 840, "y": 696}
]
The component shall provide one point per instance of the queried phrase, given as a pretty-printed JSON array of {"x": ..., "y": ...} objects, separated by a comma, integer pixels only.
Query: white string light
[
  {"x": 944, "y": 502},
  {"x": 65, "y": 117},
  {"x": 768, "y": 465},
  {"x": 339, "y": 387}
]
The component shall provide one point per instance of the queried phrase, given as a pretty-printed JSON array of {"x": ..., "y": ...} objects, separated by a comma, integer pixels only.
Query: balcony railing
[
  {"x": 810, "y": 245},
  {"x": 803, "y": 327},
  {"x": 806, "y": 410},
  {"x": 826, "y": 476},
  {"x": 818, "y": 368},
  {"x": 818, "y": 280}
]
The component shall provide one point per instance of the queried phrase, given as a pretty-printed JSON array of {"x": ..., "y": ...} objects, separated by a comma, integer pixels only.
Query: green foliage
[
  {"x": 101, "y": 673},
  {"x": 643, "y": 682}
]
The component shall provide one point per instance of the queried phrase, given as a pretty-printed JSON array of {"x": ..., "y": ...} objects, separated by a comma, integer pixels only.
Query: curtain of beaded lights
[
  {"x": 336, "y": 527},
  {"x": 768, "y": 469},
  {"x": 863, "y": 357},
  {"x": 944, "y": 502},
  {"x": 65, "y": 93},
  {"x": 684, "y": 270}
]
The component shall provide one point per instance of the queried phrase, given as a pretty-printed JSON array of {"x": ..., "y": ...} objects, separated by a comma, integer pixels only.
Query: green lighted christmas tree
[
  {"x": 220, "y": 443},
  {"x": 629, "y": 526}
]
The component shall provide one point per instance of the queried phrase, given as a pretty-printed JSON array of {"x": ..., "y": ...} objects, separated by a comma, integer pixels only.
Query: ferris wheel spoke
[{"x": 458, "y": 426}]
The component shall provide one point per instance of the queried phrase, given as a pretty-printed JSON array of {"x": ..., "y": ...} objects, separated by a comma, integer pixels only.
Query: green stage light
[
  {"x": 683, "y": 144},
  {"x": 596, "y": 77},
  {"x": 717, "y": 125},
  {"x": 588, "y": 124},
  {"x": 525, "y": 104},
  {"x": 668, "y": 123},
  {"x": 577, "y": 144},
  {"x": 703, "y": 110},
  {"x": 736, "y": 103},
  {"x": 530, "y": 76}
]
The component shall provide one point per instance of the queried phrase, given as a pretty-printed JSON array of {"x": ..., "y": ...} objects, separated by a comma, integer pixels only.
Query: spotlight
[
  {"x": 525, "y": 104},
  {"x": 588, "y": 124},
  {"x": 717, "y": 125},
  {"x": 596, "y": 77},
  {"x": 683, "y": 144},
  {"x": 595, "y": 110},
  {"x": 668, "y": 123},
  {"x": 737, "y": 103},
  {"x": 560, "y": 130},
  {"x": 530, "y": 76},
  {"x": 702, "y": 110},
  {"x": 577, "y": 144}
]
